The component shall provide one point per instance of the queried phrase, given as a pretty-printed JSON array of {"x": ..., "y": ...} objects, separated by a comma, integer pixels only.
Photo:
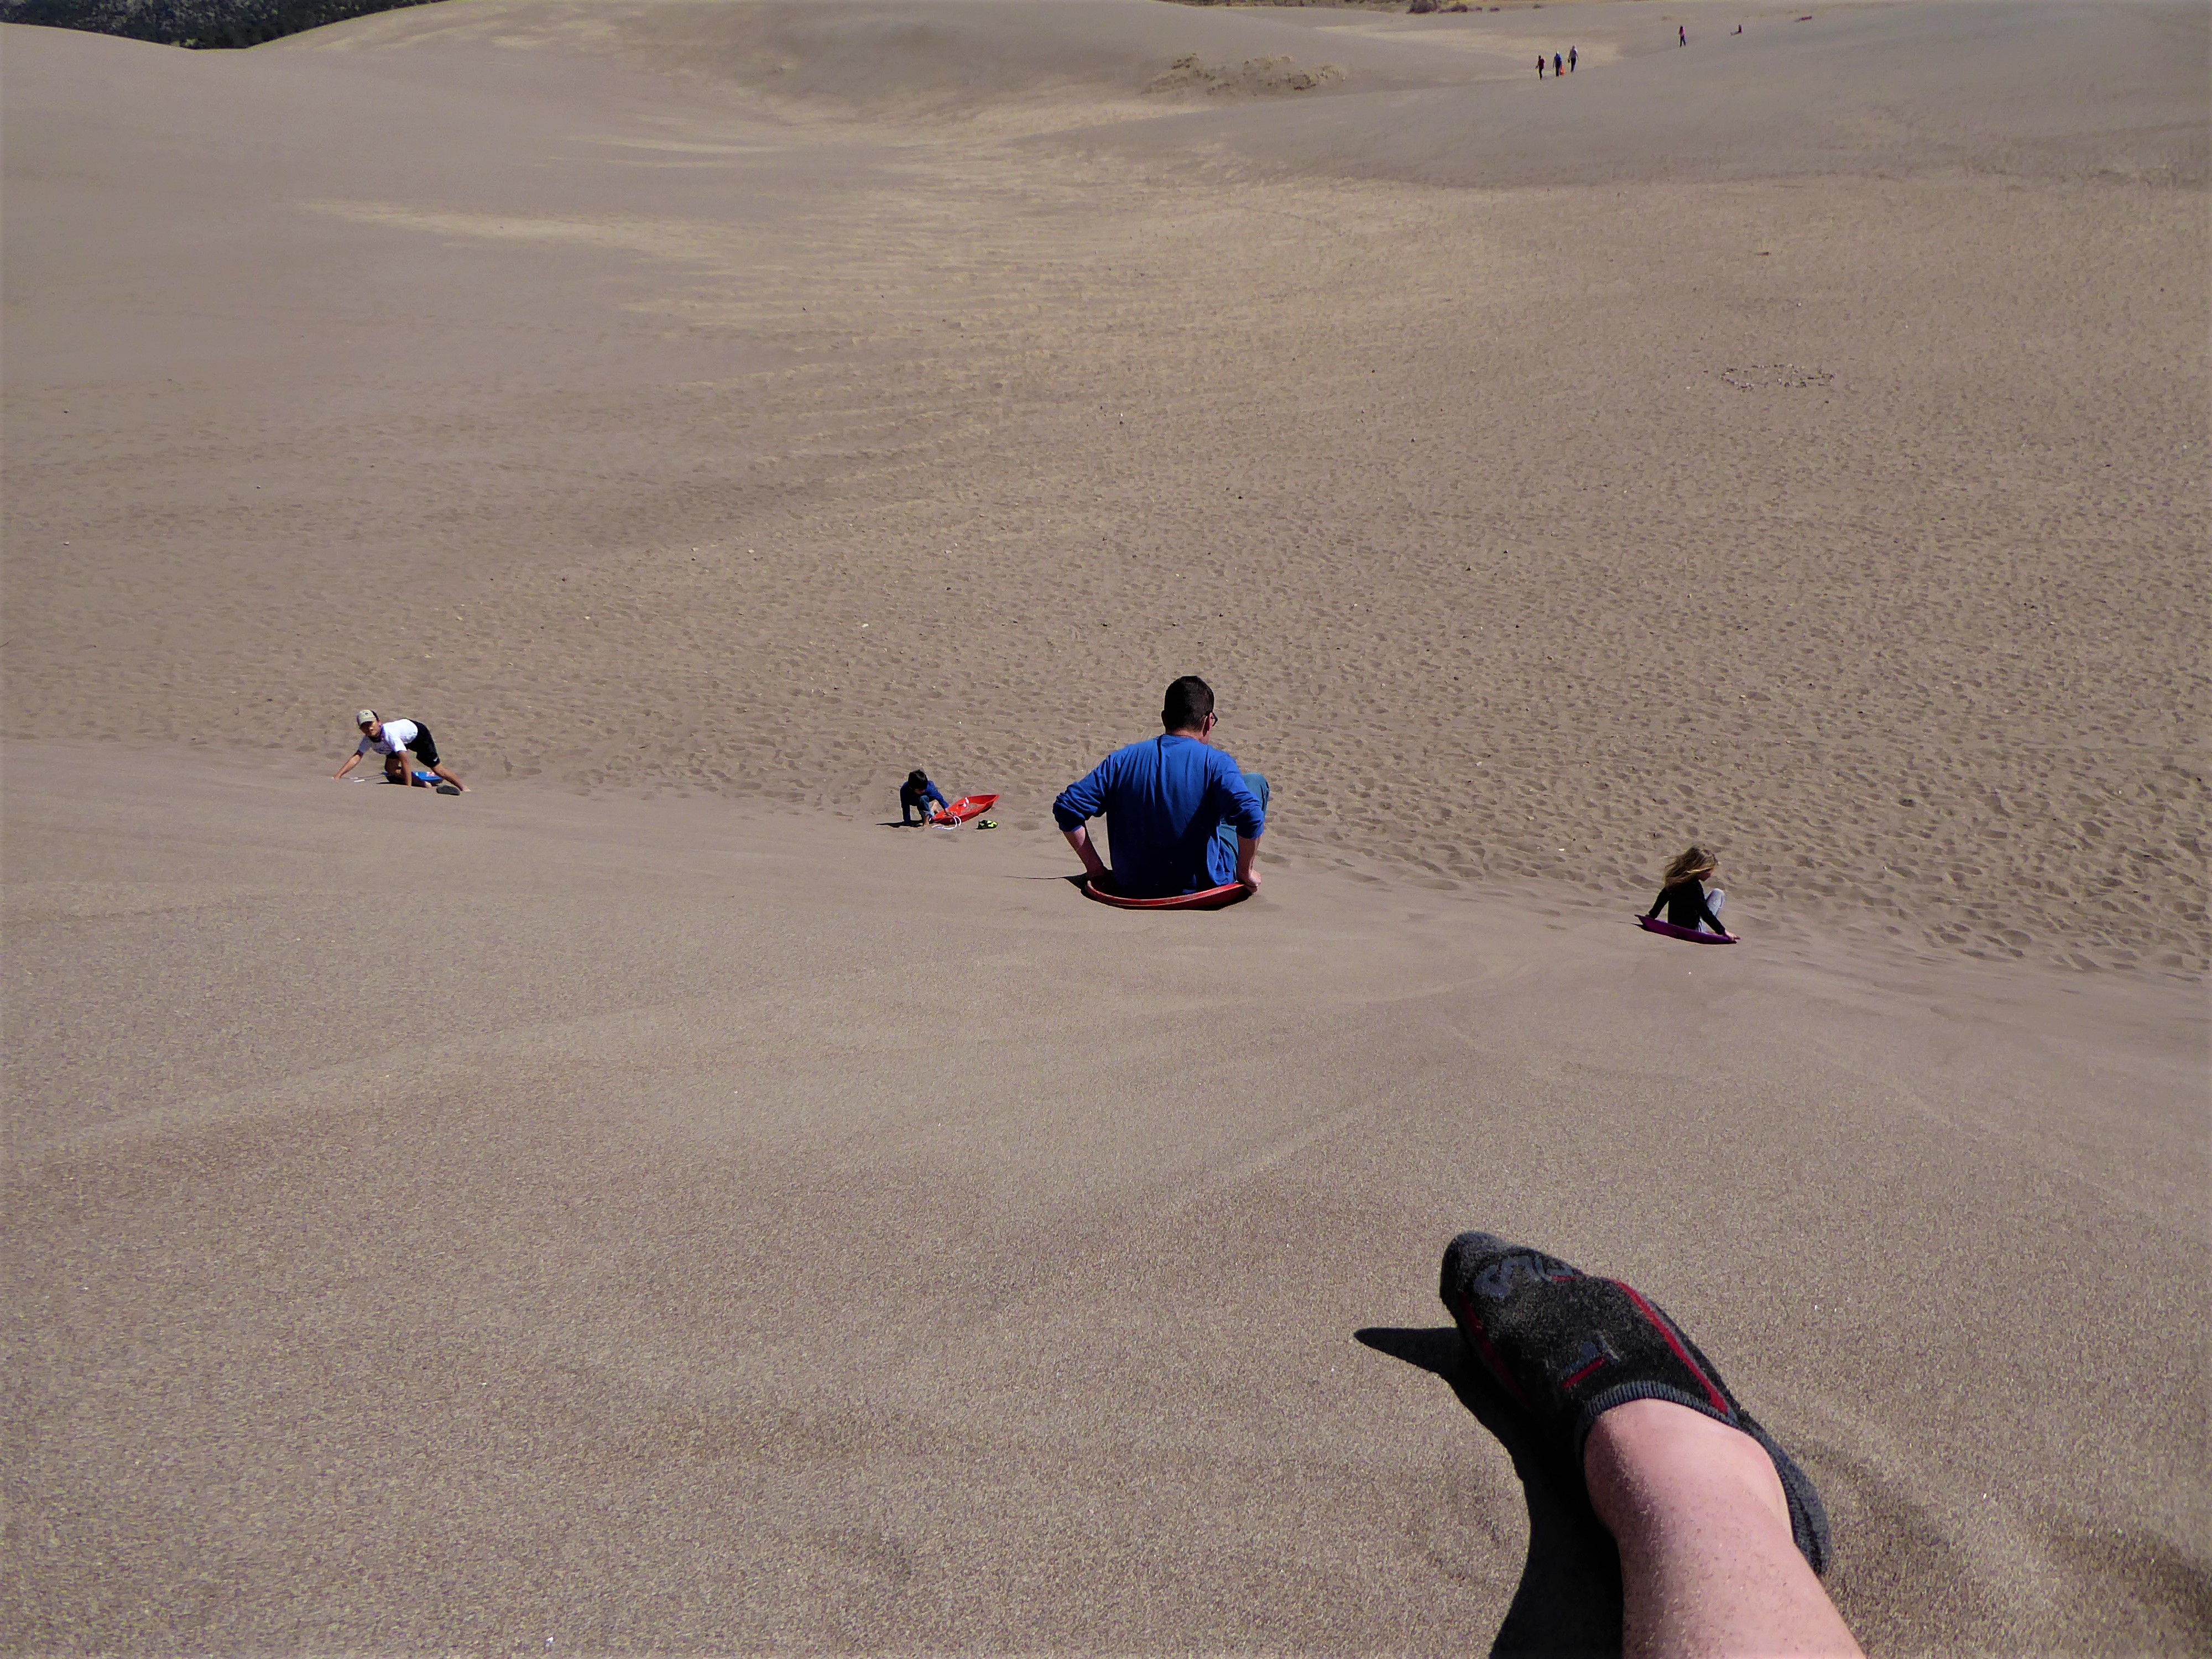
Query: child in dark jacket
[
  {"x": 1684, "y": 897},
  {"x": 914, "y": 794}
]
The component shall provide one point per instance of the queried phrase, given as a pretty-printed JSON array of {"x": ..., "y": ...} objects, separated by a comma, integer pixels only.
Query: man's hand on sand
[{"x": 1249, "y": 880}]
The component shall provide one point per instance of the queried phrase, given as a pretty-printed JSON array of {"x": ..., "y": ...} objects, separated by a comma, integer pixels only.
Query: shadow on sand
[{"x": 1568, "y": 1601}]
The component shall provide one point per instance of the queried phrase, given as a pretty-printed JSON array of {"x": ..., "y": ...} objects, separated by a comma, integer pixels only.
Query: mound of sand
[
  {"x": 967, "y": 60},
  {"x": 888, "y": 424},
  {"x": 2043, "y": 89},
  {"x": 1253, "y": 76},
  {"x": 644, "y": 1204},
  {"x": 665, "y": 1226}
]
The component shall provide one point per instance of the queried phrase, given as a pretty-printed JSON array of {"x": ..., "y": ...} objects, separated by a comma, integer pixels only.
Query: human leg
[
  {"x": 1714, "y": 900},
  {"x": 1698, "y": 1495},
  {"x": 425, "y": 751},
  {"x": 395, "y": 768},
  {"x": 1707, "y": 1563}
]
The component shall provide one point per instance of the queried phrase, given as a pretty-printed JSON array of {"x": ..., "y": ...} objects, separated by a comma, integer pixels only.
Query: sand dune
[
  {"x": 2045, "y": 91},
  {"x": 646, "y": 1201},
  {"x": 720, "y": 442},
  {"x": 672, "y": 1226}
]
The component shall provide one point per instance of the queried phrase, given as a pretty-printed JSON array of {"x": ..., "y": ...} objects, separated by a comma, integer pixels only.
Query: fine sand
[{"x": 646, "y": 1203}]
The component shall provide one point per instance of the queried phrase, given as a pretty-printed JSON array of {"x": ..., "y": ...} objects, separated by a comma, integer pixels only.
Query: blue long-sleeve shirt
[
  {"x": 917, "y": 799},
  {"x": 1165, "y": 801}
]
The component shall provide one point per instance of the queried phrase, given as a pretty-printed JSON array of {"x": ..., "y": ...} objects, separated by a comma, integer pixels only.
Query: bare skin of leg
[{"x": 1707, "y": 1566}]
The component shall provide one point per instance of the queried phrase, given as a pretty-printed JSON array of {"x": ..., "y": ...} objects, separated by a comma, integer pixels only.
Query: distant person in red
[
  {"x": 1539, "y": 66},
  {"x": 1571, "y": 60},
  {"x": 1558, "y": 65}
]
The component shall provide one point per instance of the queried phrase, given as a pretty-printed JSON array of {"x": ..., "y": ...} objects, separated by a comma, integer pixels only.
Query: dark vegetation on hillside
[{"x": 191, "y": 22}]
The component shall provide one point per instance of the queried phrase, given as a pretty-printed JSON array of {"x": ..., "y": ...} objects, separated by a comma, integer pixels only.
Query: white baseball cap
[{"x": 365, "y": 717}]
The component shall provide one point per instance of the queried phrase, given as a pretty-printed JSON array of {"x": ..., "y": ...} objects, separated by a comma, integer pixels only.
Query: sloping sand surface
[
  {"x": 646, "y": 1203},
  {"x": 2043, "y": 89},
  {"x": 644, "y": 432},
  {"x": 472, "y": 1223}
]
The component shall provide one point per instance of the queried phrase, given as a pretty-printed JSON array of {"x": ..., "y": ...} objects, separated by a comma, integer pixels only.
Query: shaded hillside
[{"x": 192, "y": 22}]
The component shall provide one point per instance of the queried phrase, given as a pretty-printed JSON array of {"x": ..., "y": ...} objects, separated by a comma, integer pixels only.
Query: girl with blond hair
[{"x": 1686, "y": 901}]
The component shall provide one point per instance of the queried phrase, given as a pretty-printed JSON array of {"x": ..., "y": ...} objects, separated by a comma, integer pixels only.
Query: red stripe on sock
[
  {"x": 1713, "y": 1393},
  {"x": 1595, "y": 1366},
  {"x": 1490, "y": 1354}
]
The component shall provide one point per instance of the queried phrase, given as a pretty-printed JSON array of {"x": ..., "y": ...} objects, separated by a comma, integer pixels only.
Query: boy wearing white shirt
[{"x": 395, "y": 740}]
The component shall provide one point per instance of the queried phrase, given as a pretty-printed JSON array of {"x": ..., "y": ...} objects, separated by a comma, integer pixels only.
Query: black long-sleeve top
[{"x": 1685, "y": 904}]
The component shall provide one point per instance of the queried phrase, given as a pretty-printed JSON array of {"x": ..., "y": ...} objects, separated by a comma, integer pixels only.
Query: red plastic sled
[
  {"x": 1213, "y": 898},
  {"x": 967, "y": 807},
  {"x": 1695, "y": 935}
]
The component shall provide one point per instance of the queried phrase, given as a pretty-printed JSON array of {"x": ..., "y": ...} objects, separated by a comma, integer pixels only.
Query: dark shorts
[{"x": 424, "y": 747}]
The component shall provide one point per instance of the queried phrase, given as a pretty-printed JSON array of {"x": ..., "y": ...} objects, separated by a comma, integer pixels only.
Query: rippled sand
[
  {"x": 693, "y": 1217},
  {"x": 898, "y": 386}
]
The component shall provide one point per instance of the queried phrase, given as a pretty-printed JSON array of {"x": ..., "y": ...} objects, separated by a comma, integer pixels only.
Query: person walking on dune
[
  {"x": 1181, "y": 815},
  {"x": 1539, "y": 66},
  {"x": 1571, "y": 60},
  {"x": 1558, "y": 65},
  {"x": 395, "y": 740},
  {"x": 1684, "y": 898},
  {"x": 1681, "y": 35}
]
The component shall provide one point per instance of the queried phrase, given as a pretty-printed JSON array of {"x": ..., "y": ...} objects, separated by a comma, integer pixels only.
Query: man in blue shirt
[{"x": 1180, "y": 816}]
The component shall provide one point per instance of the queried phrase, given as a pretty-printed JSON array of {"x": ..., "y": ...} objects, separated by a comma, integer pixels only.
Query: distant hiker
[
  {"x": 1571, "y": 60},
  {"x": 1180, "y": 817},
  {"x": 1557, "y": 65},
  {"x": 395, "y": 740},
  {"x": 1681, "y": 35},
  {"x": 1739, "y": 28},
  {"x": 1684, "y": 897},
  {"x": 1539, "y": 66},
  {"x": 914, "y": 794}
]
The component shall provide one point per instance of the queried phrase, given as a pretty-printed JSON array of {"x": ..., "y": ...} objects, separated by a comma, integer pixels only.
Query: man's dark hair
[{"x": 1189, "y": 700}]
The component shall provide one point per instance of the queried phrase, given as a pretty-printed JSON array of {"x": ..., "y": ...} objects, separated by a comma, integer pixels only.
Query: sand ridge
[
  {"x": 646, "y": 1204},
  {"x": 884, "y": 467},
  {"x": 679, "y": 1225}
]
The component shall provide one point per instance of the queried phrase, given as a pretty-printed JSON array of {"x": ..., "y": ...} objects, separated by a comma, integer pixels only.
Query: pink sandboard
[
  {"x": 1695, "y": 935},
  {"x": 1213, "y": 898},
  {"x": 967, "y": 807}
]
